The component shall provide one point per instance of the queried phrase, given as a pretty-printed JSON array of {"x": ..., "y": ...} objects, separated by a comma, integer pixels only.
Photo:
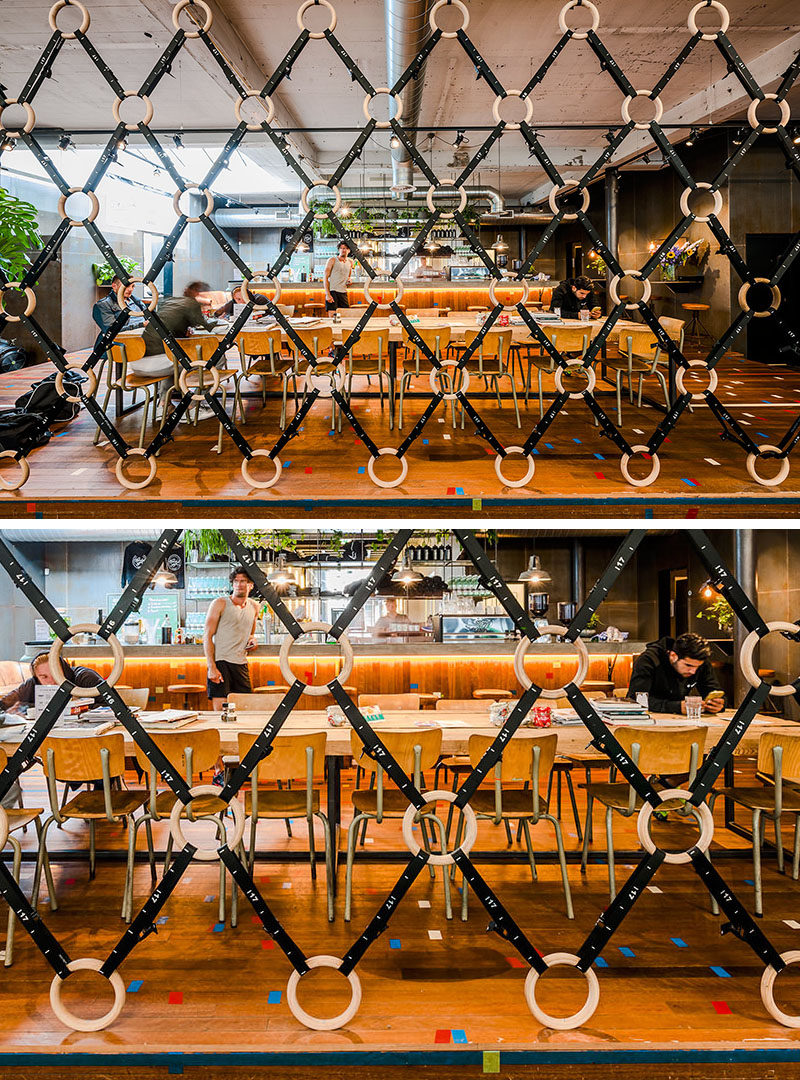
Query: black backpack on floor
[
  {"x": 12, "y": 357},
  {"x": 22, "y": 431},
  {"x": 44, "y": 399}
]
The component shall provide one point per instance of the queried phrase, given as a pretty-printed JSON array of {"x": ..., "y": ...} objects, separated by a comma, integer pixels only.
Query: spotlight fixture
[
  {"x": 165, "y": 579},
  {"x": 460, "y": 137},
  {"x": 796, "y": 139},
  {"x": 609, "y": 136},
  {"x": 282, "y": 575},
  {"x": 535, "y": 574},
  {"x": 709, "y": 590},
  {"x": 346, "y": 210},
  {"x": 122, "y": 144},
  {"x": 692, "y": 137},
  {"x": 738, "y": 137},
  {"x": 646, "y": 159},
  {"x": 6, "y": 144},
  {"x": 178, "y": 140},
  {"x": 401, "y": 188},
  {"x": 406, "y": 574},
  {"x": 394, "y": 142},
  {"x": 432, "y": 244},
  {"x": 65, "y": 142}
]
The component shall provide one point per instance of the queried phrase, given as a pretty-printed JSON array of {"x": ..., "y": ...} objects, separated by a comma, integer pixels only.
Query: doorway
[
  {"x": 151, "y": 245},
  {"x": 767, "y": 341},
  {"x": 673, "y": 602}
]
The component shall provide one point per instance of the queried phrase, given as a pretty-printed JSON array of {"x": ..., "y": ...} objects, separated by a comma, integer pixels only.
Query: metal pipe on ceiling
[{"x": 407, "y": 30}]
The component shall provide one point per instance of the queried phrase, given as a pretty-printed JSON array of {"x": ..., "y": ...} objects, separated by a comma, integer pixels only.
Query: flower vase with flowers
[{"x": 681, "y": 253}]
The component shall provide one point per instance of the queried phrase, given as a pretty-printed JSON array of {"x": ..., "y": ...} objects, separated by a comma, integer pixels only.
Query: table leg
[{"x": 335, "y": 809}]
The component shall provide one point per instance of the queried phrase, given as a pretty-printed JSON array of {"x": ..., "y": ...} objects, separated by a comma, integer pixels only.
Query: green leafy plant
[
  {"x": 104, "y": 272},
  {"x": 721, "y": 613},
  {"x": 594, "y": 622},
  {"x": 19, "y": 234}
]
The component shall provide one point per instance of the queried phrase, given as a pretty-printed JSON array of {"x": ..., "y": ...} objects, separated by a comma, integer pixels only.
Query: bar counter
[
  {"x": 453, "y": 669},
  {"x": 452, "y": 295}
]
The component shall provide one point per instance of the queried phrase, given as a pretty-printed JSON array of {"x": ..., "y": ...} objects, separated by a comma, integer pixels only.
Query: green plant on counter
[
  {"x": 594, "y": 622},
  {"x": 19, "y": 234},
  {"x": 104, "y": 272},
  {"x": 721, "y": 613}
]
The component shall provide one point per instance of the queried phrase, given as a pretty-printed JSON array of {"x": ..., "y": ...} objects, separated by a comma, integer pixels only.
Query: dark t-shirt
[
  {"x": 81, "y": 676},
  {"x": 655, "y": 676}
]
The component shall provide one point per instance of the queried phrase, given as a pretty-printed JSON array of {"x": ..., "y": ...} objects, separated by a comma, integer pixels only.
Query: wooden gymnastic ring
[
  {"x": 746, "y": 657},
  {"x": 768, "y": 995},
  {"x": 702, "y": 813},
  {"x": 498, "y": 467},
  {"x": 626, "y": 109},
  {"x": 270, "y": 281},
  {"x": 388, "y": 280},
  {"x": 310, "y": 689},
  {"x": 776, "y": 298},
  {"x": 370, "y": 97},
  {"x": 752, "y": 110},
  {"x": 319, "y": 33},
  {"x": 470, "y": 828},
  {"x": 614, "y": 293},
  {"x": 572, "y": 367},
  {"x": 496, "y": 110},
  {"x": 85, "y": 18},
  {"x": 176, "y": 201},
  {"x": 121, "y": 286},
  {"x": 506, "y": 282},
  {"x": 702, "y": 186},
  {"x": 556, "y": 631},
  {"x": 579, "y": 35},
  {"x": 566, "y": 1023},
  {"x": 199, "y": 366},
  {"x": 69, "y": 1019},
  {"x": 448, "y": 214},
  {"x": 331, "y": 1023},
  {"x": 25, "y": 472},
  {"x": 184, "y": 4},
  {"x": 148, "y": 109},
  {"x": 95, "y": 210},
  {"x": 135, "y": 485},
  {"x": 651, "y": 477},
  {"x": 337, "y": 202},
  {"x": 57, "y": 670},
  {"x": 387, "y": 450},
  {"x": 59, "y": 383},
  {"x": 334, "y": 378},
  {"x": 4, "y": 828},
  {"x": 207, "y": 854},
  {"x": 692, "y": 20},
  {"x": 453, "y": 396},
  {"x": 712, "y": 379},
  {"x": 453, "y": 3},
  {"x": 30, "y": 298},
  {"x": 270, "y": 110},
  {"x": 781, "y": 474},
  {"x": 562, "y": 189},
  {"x": 276, "y": 461}
]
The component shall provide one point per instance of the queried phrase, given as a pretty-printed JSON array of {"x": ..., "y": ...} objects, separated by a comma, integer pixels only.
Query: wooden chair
[
  {"x": 528, "y": 759},
  {"x": 778, "y": 769},
  {"x": 266, "y": 703},
  {"x": 319, "y": 341},
  {"x": 129, "y": 369},
  {"x": 19, "y": 818},
  {"x": 492, "y": 363},
  {"x": 370, "y": 356},
  {"x": 415, "y": 751},
  {"x": 640, "y": 355},
  {"x": 202, "y": 349},
  {"x": 664, "y": 751},
  {"x": 293, "y": 758},
  {"x": 390, "y": 702},
  {"x": 262, "y": 357},
  {"x": 138, "y": 698},
  {"x": 82, "y": 760},
  {"x": 437, "y": 340},
  {"x": 190, "y": 753},
  {"x": 571, "y": 341},
  {"x": 470, "y": 705}
]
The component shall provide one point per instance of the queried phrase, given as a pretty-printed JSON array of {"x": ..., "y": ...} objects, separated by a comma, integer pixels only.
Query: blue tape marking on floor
[
  {"x": 219, "y": 927},
  {"x": 459, "y": 491},
  {"x": 747, "y": 881},
  {"x": 209, "y": 899},
  {"x": 626, "y": 951},
  {"x": 679, "y": 942},
  {"x": 763, "y": 434},
  {"x": 549, "y": 445},
  {"x": 274, "y": 997},
  {"x": 135, "y": 986},
  {"x": 723, "y": 974},
  {"x": 600, "y": 457},
  {"x": 689, "y": 483},
  {"x": 361, "y": 469},
  {"x": 575, "y": 439},
  {"x": 286, "y": 464},
  {"x": 535, "y": 451},
  {"x": 600, "y": 962},
  {"x": 162, "y": 920},
  {"x": 459, "y": 1036},
  {"x": 648, "y": 512},
  {"x": 424, "y": 442},
  {"x": 394, "y": 943}
]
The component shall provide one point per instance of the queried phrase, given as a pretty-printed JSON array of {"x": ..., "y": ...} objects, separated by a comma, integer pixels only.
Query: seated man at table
[
  {"x": 670, "y": 669},
  {"x": 234, "y": 306},
  {"x": 24, "y": 695},
  {"x": 106, "y": 311},
  {"x": 178, "y": 313},
  {"x": 572, "y": 296}
]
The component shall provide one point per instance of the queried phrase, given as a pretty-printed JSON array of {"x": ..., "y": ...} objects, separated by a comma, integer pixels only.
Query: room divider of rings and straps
[
  {"x": 740, "y": 923},
  {"x": 758, "y": 297}
]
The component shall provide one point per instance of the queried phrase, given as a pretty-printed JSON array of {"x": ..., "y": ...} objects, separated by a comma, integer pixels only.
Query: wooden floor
[
  {"x": 443, "y": 995},
  {"x": 451, "y": 472}
]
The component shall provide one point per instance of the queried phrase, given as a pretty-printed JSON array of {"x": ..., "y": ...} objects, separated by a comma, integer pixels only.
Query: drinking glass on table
[
  {"x": 694, "y": 706},
  {"x": 584, "y": 314},
  {"x": 643, "y": 699}
]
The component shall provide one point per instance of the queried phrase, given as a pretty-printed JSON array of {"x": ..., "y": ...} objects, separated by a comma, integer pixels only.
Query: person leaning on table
[
  {"x": 177, "y": 313},
  {"x": 227, "y": 639},
  {"x": 572, "y": 296},
  {"x": 669, "y": 668},
  {"x": 25, "y": 694}
]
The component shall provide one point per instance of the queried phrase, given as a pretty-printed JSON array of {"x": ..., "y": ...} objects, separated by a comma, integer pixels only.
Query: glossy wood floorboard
[
  {"x": 659, "y": 991},
  {"x": 451, "y": 471}
]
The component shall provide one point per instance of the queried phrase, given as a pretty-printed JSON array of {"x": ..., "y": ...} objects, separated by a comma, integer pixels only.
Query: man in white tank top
[
  {"x": 336, "y": 277},
  {"x": 228, "y": 637}
]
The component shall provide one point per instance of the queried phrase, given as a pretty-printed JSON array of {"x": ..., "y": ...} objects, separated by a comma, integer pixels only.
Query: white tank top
[
  {"x": 338, "y": 275},
  {"x": 233, "y": 629}
]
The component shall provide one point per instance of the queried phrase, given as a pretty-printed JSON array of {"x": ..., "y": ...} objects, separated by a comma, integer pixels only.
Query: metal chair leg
[
  {"x": 612, "y": 877},
  {"x": 11, "y": 916},
  {"x": 563, "y": 863}
]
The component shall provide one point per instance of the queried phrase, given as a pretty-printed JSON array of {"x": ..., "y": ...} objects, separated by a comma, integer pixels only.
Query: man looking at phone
[{"x": 670, "y": 669}]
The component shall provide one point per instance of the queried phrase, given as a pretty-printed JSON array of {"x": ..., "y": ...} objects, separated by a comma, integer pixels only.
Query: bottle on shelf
[{"x": 166, "y": 631}]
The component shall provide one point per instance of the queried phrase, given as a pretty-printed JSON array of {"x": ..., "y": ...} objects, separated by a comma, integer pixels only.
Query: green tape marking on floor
[{"x": 491, "y": 1061}]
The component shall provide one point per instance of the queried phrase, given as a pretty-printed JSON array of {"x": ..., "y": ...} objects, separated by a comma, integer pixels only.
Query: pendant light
[
  {"x": 535, "y": 574},
  {"x": 500, "y": 244},
  {"x": 165, "y": 579},
  {"x": 282, "y": 575},
  {"x": 406, "y": 574}
]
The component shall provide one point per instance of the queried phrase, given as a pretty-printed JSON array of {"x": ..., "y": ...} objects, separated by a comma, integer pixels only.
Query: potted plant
[
  {"x": 719, "y": 612},
  {"x": 19, "y": 234},
  {"x": 104, "y": 272}
]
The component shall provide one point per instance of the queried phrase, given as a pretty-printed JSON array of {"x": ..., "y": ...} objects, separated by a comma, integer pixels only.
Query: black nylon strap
[
  {"x": 725, "y": 581},
  {"x": 25, "y": 583},
  {"x": 53, "y": 952},
  {"x": 356, "y": 602},
  {"x": 493, "y": 581},
  {"x": 494, "y": 751},
  {"x": 38, "y": 732},
  {"x": 263, "y": 744},
  {"x": 726, "y": 745},
  {"x": 605, "y": 583},
  {"x": 620, "y": 906},
  {"x": 264, "y": 588}
]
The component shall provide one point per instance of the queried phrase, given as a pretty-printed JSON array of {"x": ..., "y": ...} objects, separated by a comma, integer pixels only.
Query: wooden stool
[
  {"x": 274, "y": 689},
  {"x": 492, "y": 695},
  {"x": 695, "y": 328},
  {"x": 188, "y": 690},
  {"x": 428, "y": 701},
  {"x": 597, "y": 685},
  {"x": 477, "y": 307},
  {"x": 314, "y": 307}
]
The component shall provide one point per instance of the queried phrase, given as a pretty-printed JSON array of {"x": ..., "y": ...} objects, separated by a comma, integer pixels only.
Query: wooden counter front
[{"x": 457, "y": 296}]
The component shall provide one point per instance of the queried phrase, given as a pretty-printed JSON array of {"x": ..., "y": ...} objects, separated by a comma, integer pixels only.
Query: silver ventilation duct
[
  {"x": 407, "y": 30},
  {"x": 243, "y": 217}
]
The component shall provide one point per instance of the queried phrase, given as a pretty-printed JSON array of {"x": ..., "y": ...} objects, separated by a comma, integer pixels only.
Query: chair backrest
[
  {"x": 390, "y": 702},
  {"x": 639, "y": 343},
  {"x": 11, "y": 673},
  {"x": 517, "y": 761},
  {"x": 401, "y": 744},
  {"x": 130, "y": 349},
  {"x": 259, "y": 342},
  {"x": 663, "y": 750},
  {"x": 674, "y": 328},
  {"x": 371, "y": 343},
  {"x": 285, "y": 309},
  {"x": 79, "y": 759},
  {"x": 569, "y": 339},
  {"x": 462, "y": 705},
  {"x": 255, "y": 702},
  {"x": 204, "y": 747},
  {"x": 494, "y": 346},
  {"x": 288, "y": 760},
  {"x": 138, "y": 697},
  {"x": 317, "y": 338},
  {"x": 436, "y": 338},
  {"x": 790, "y": 763},
  {"x": 197, "y": 347}
]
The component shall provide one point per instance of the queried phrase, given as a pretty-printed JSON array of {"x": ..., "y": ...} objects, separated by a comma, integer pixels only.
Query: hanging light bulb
[
  {"x": 406, "y": 574},
  {"x": 535, "y": 575},
  {"x": 500, "y": 244},
  {"x": 165, "y": 579},
  {"x": 708, "y": 591},
  {"x": 432, "y": 244},
  {"x": 282, "y": 575}
]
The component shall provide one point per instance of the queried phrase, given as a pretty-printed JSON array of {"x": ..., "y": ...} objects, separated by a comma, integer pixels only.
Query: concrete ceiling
[{"x": 514, "y": 37}]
